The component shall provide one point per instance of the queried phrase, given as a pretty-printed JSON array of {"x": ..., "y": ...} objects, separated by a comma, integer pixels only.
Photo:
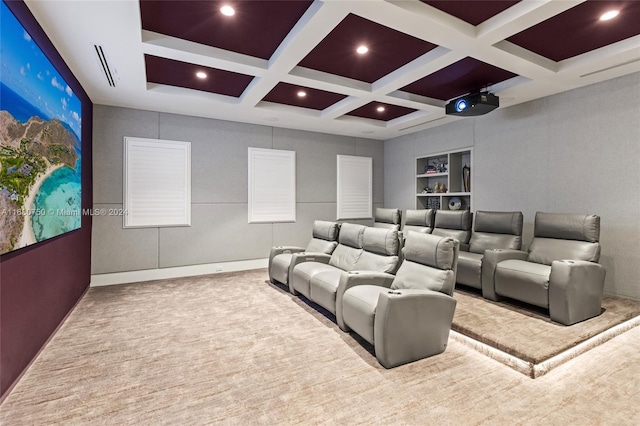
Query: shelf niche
[{"x": 444, "y": 172}]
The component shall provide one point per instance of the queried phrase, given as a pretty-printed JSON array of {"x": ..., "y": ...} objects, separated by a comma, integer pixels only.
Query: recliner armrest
[
  {"x": 490, "y": 260},
  {"x": 575, "y": 290},
  {"x": 282, "y": 249},
  {"x": 411, "y": 324},
  {"x": 355, "y": 278},
  {"x": 301, "y": 257}
]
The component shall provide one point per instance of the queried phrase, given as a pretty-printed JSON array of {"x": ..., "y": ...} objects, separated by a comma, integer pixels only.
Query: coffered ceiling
[{"x": 297, "y": 64}]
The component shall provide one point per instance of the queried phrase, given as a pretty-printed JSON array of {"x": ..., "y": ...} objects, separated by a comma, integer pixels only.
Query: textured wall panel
[
  {"x": 315, "y": 161},
  {"x": 218, "y": 233},
  {"x": 577, "y": 152},
  {"x": 399, "y": 175},
  {"x": 299, "y": 233},
  {"x": 594, "y": 161},
  {"x": 115, "y": 249},
  {"x": 218, "y": 154},
  {"x": 110, "y": 127},
  {"x": 374, "y": 149}
]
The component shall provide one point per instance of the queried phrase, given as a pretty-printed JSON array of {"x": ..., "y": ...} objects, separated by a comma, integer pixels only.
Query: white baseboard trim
[{"x": 176, "y": 272}]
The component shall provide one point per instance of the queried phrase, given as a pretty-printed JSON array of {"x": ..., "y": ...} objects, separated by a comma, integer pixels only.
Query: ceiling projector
[{"x": 473, "y": 104}]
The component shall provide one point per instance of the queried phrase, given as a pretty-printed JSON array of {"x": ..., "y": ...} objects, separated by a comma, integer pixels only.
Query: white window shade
[
  {"x": 272, "y": 185},
  {"x": 355, "y": 187},
  {"x": 157, "y": 183}
]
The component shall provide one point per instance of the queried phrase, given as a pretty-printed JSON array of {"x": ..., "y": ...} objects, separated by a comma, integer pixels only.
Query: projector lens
[{"x": 461, "y": 105}]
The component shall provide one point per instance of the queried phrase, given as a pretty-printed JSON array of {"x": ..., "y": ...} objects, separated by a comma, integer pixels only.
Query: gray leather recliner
[
  {"x": 387, "y": 218},
  {"x": 559, "y": 272},
  {"x": 418, "y": 221},
  {"x": 412, "y": 319},
  {"x": 324, "y": 240},
  {"x": 455, "y": 224},
  {"x": 363, "y": 254},
  {"x": 492, "y": 230}
]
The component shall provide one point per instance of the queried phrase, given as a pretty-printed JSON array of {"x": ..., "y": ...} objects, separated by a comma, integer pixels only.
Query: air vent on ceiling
[
  {"x": 609, "y": 68},
  {"x": 109, "y": 72},
  {"x": 420, "y": 124}
]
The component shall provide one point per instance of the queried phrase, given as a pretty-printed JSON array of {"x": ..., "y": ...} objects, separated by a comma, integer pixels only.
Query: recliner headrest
[
  {"x": 565, "y": 226},
  {"x": 351, "y": 235},
  {"x": 388, "y": 216},
  {"x": 499, "y": 222},
  {"x": 326, "y": 230},
  {"x": 419, "y": 218},
  {"x": 453, "y": 219},
  {"x": 381, "y": 241},
  {"x": 430, "y": 250}
]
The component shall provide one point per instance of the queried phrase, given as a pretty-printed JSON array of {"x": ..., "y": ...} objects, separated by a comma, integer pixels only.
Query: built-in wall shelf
[
  {"x": 444, "y": 180},
  {"x": 432, "y": 175},
  {"x": 451, "y": 194}
]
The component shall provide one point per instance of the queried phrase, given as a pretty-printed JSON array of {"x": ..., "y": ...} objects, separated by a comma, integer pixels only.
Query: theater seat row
[
  {"x": 350, "y": 270},
  {"x": 558, "y": 272},
  {"x": 405, "y": 309}
]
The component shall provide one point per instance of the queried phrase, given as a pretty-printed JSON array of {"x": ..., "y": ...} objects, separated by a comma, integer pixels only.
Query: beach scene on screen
[{"x": 40, "y": 144}]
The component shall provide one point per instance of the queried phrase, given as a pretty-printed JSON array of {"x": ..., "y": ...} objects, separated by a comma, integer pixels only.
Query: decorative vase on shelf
[
  {"x": 466, "y": 178},
  {"x": 455, "y": 203}
]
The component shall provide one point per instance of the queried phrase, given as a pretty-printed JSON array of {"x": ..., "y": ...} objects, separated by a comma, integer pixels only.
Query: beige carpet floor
[
  {"x": 527, "y": 332},
  {"x": 233, "y": 349}
]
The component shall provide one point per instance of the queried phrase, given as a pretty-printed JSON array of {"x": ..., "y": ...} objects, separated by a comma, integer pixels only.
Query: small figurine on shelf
[
  {"x": 441, "y": 168},
  {"x": 440, "y": 188}
]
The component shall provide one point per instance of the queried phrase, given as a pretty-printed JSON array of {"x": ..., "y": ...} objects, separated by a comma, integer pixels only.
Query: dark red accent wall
[{"x": 40, "y": 284}]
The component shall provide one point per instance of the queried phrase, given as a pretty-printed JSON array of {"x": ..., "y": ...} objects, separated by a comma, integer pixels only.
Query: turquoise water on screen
[{"x": 59, "y": 198}]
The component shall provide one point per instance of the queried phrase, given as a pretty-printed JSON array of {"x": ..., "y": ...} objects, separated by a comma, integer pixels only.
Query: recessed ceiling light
[
  {"x": 609, "y": 15},
  {"x": 362, "y": 49},
  {"x": 302, "y": 94},
  {"x": 227, "y": 10},
  {"x": 380, "y": 109},
  {"x": 201, "y": 74}
]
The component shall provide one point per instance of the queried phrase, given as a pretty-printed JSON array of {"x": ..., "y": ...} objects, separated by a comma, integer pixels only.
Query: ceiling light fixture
[
  {"x": 362, "y": 49},
  {"x": 227, "y": 10},
  {"x": 609, "y": 15},
  {"x": 380, "y": 109},
  {"x": 302, "y": 94},
  {"x": 201, "y": 74}
]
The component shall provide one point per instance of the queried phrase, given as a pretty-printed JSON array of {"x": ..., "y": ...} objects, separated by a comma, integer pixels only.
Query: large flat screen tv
[{"x": 40, "y": 142}]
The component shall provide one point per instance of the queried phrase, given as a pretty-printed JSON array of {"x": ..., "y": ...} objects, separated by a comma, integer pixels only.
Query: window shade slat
[
  {"x": 355, "y": 187},
  {"x": 157, "y": 183},
  {"x": 272, "y": 185}
]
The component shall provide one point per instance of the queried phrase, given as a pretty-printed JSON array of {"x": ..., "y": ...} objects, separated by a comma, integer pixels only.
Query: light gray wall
[
  {"x": 219, "y": 231},
  {"x": 575, "y": 152}
]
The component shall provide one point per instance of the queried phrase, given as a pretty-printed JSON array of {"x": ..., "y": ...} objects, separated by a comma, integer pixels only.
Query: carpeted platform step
[{"x": 523, "y": 337}]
